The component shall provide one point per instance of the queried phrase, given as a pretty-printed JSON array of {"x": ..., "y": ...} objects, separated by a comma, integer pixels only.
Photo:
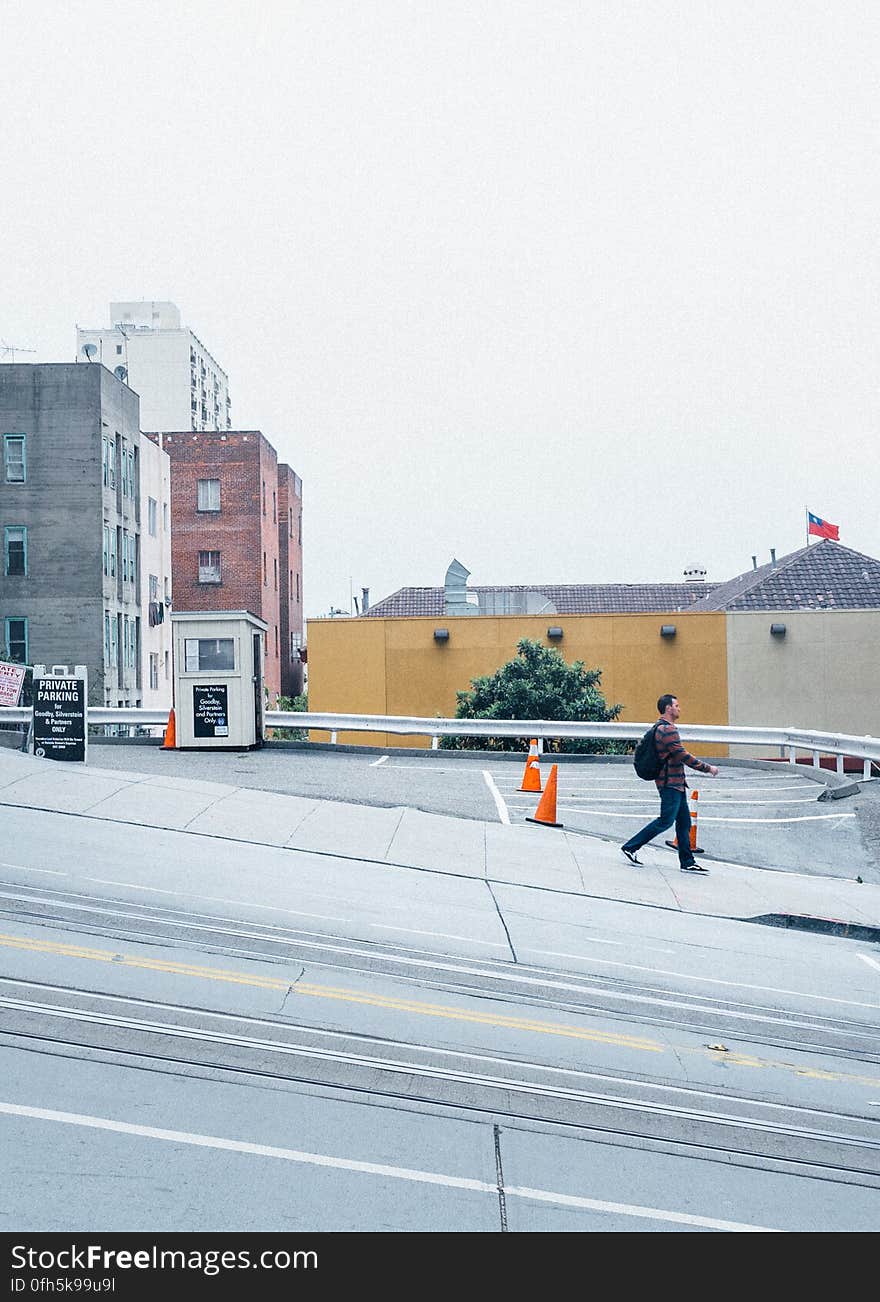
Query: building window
[
  {"x": 152, "y": 515},
  {"x": 105, "y": 551},
  {"x": 212, "y": 653},
  {"x": 265, "y": 572},
  {"x": 113, "y": 553},
  {"x": 264, "y": 497},
  {"x": 274, "y": 510},
  {"x": 154, "y": 671},
  {"x": 15, "y": 550},
  {"x": 119, "y": 350},
  {"x": 17, "y": 640},
  {"x": 300, "y": 528},
  {"x": 209, "y": 495},
  {"x": 275, "y": 563},
  {"x": 276, "y": 639},
  {"x": 297, "y": 585},
  {"x": 14, "y": 458},
  {"x": 290, "y": 522},
  {"x": 209, "y": 567},
  {"x": 154, "y": 587}
]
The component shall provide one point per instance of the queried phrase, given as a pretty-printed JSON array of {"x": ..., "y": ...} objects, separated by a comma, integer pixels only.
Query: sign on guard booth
[{"x": 218, "y": 679}]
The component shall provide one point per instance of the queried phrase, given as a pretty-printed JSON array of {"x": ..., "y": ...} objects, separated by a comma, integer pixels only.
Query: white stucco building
[
  {"x": 180, "y": 385},
  {"x": 155, "y": 576}
]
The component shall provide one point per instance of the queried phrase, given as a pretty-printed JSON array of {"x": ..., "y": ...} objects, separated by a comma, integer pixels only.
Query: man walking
[{"x": 673, "y": 789}]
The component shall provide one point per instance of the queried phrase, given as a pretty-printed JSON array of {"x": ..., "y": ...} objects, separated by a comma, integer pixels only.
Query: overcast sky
[{"x": 572, "y": 292}]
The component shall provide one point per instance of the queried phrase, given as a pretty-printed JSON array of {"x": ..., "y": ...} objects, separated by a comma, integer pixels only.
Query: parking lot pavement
[
  {"x": 744, "y": 815},
  {"x": 766, "y": 817}
]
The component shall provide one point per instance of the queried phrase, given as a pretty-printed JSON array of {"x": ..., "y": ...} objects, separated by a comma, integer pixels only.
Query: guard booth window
[{"x": 214, "y": 653}]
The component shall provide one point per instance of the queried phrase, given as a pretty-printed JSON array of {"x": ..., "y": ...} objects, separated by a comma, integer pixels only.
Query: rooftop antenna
[{"x": 13, "y": 349}]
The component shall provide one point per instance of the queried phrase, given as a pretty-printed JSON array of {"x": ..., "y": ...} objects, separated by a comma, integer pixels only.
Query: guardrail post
[
  {"x": 816, "y": 764},
  {"x": 866, "y": 769},
  {"x": 435, "y": 742},
  {"x": 840, "y": 763},
  {"x": 333, "y": 739},
  {"x": 792, "y": 754}
]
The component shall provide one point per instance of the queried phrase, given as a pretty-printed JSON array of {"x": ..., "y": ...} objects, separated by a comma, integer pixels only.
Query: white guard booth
[{"x": 218, "y": 679}]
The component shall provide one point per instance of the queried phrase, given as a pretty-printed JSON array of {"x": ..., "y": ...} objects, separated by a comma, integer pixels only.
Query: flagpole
[{"x": 807, "y": 522}]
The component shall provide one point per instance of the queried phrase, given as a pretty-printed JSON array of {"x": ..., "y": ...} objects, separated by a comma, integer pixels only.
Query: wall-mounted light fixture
[
  {"x": 441, "y": 634},
  {"x": 667, "y": 630},
  {"x": 554, "y": 631},
  {"x": 777, "y": 630}
]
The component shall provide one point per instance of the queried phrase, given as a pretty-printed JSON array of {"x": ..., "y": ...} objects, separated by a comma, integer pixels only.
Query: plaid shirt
[{"x": 669, "y": 747}]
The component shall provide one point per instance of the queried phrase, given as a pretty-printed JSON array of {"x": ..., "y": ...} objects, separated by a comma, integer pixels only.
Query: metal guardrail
[{"x": 789, "y": 740}]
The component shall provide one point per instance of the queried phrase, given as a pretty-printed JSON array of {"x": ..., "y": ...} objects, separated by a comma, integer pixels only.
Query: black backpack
[{"x": 646, "y": 761}]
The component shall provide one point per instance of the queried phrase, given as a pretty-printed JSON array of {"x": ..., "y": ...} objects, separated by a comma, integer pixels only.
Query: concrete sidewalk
[{"x": 526, "y": 855}]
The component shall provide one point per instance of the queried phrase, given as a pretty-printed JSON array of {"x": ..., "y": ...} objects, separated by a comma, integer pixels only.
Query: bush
[
  {"x": 298, "y": 703},
  {"x": 537, "y": 684}
]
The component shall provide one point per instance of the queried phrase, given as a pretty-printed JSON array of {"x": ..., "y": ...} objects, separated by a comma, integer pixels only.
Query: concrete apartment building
[
  {"x": 179, "y": 383},
  {"x": 84, "y": 510},
  {"x": 237, "y": 538}
]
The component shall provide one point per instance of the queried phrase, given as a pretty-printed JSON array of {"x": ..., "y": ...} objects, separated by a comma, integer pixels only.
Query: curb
[{"x": 829, "y": 926}]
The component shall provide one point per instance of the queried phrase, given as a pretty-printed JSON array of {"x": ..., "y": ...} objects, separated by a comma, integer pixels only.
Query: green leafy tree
[
  {"x": 537, "y": 684},
  {"x": 298, "y": 703}
]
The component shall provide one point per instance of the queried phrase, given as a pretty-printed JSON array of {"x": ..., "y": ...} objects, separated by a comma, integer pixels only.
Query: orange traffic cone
[
  {"x": 546, "y": 811},
  {"x": 531, "y": 778},
  {"x": 695, "y": 849},
  {"x": 170, "y": 742}
]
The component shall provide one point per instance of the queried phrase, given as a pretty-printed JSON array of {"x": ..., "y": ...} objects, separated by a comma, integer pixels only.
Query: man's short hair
[{"x": 665, "y": 701}]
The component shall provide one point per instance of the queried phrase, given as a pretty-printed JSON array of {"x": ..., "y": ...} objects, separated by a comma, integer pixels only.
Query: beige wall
[
  {"x": 394, "y": 666},
  {"x": 822, "y": 675}
]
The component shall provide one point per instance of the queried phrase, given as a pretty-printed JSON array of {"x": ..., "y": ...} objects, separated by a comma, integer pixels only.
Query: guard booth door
[{"x": 258, "y": 688}]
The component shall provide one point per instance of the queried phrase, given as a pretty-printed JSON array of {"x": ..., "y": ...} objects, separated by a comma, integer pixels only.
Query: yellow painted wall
[{"x": 394, "y": 666}]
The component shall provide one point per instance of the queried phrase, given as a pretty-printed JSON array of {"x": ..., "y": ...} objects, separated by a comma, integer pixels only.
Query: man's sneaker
[
  {"x": 693, "y": 868},
  {"x": 631, "y": 855}
]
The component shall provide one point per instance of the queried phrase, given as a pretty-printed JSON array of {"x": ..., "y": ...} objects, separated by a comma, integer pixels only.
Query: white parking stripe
[
  {"x": 376, "y": 763},
  {"x": 795, "y": 818},
  {"x": 630, "y": 800},
  {"x": 872, "y": 962},
  {"x": 496, "y": 796},
  {"x": 378, "y": 1169}
]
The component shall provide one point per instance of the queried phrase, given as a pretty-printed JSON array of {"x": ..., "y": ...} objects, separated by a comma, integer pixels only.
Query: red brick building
[{"x": 236, "y": 538}]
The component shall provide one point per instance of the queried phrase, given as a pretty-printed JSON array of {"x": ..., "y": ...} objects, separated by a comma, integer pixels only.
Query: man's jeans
[{"x": 673, "y": 809}]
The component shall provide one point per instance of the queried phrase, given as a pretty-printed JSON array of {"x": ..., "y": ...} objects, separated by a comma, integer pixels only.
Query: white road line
[
  {"x": 218, "y": 899},
  {"x": 439, "y": 935},
  {"x": 872, "y": 962},
  {"x": 375, "y": 1168},
  {"x": 497, "y": 797},
  {"x": 25, "y": 869},
  {"x": 376, "y": 763},
  {"x": 594, "y": 940}
]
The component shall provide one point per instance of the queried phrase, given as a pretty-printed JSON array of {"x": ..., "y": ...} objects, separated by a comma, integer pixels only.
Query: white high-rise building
[{"x": 179, "y": 383}]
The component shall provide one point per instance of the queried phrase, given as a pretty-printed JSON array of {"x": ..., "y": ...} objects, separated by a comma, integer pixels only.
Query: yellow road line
[{"x": 451, "y": 1013}]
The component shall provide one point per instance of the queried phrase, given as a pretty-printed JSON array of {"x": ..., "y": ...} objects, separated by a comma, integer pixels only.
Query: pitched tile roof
[
  {"x": 565, "y": 598},
  {"x": 825, "y": 576}
]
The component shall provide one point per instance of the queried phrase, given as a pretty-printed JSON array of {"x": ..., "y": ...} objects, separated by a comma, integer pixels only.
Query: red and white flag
[{"x": 822, "y": 528}]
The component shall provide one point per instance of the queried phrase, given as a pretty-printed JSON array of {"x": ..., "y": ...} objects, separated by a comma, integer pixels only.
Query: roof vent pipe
[
  {"x": 754, "y": 562},
  {"x": 365, "y": 600},
  {"x": 773, "y": 556}
]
